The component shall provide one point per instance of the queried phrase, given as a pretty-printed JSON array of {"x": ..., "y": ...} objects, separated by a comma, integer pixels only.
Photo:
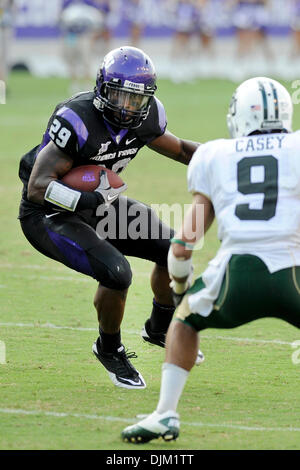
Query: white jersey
[{"x": 254, "y": 185}]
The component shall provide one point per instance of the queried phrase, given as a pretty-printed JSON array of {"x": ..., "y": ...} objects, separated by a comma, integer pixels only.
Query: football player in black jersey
[{"x": 107, "y": 126}]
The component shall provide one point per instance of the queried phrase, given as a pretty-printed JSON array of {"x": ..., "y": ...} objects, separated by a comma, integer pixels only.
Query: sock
[
  {"x": 109, "y": 343},
  {"x": 172, "y": 383},
  {"x": 161, "y": 316}
]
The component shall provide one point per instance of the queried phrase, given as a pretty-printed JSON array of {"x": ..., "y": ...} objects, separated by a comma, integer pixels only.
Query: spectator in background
[
  {"x": 78, "y": 21},
  {"x": 6, "y": 31},
  {"x": 135, "y": 12},
  {"x": 112, "y": 12},
  {"x": 250, "y": 17},
  {"x": 205, "y": 27},
  {"x": 295, "y": 26},
  {"x": 142, "y": 13},
  {"x": 186, "y": 21},
  {"x": 184, "y": 18}
]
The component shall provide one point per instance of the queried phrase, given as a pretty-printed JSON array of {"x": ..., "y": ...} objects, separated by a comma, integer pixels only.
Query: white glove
[{"x": 108, "y": 193}]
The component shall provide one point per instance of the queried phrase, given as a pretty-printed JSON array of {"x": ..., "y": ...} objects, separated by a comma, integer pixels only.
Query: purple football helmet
[{"x": 125, "y": 83}]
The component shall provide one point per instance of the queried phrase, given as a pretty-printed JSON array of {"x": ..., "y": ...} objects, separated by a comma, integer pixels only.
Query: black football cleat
[
  {"x": 119, "y": 368},
  {"x": 159, "y": 339}
]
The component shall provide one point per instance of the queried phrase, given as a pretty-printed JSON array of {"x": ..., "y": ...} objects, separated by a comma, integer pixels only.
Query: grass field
[{"x": 53, "y": 393}]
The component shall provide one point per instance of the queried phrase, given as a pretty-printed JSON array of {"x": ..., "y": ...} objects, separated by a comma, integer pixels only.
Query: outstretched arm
[
  {"x": 173, "y": 147},
  {"x": 196, "y": 222}
]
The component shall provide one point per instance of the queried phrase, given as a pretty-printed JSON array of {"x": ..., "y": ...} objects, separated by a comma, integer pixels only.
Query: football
[{"x": 87, "y": 177}]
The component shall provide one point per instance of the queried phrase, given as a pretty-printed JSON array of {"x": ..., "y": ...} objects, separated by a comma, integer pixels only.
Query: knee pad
[
  {"x": 120, "y": 275},
  {"x": 113, "y": 272}
]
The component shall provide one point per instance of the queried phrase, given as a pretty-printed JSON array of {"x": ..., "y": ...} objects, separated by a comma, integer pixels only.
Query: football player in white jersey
[{"x": 251, "y": 184}]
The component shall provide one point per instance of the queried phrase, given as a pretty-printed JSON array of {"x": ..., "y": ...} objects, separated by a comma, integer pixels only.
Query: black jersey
[{"x": 78, "y": 129}]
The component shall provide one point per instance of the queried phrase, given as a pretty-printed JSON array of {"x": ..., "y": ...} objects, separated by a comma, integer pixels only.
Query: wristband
[
  {"x": 60, "y": 195},
  {"x": 188, "y": 246}
]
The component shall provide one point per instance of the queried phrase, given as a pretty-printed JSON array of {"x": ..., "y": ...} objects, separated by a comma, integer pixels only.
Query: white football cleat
[
  {"x": 165, "y": 425},
  {"x": 200, "y": 358}
]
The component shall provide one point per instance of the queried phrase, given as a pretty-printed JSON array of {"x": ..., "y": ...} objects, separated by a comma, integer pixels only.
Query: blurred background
[
  {"x": 187, "y": 39},
  {"x": 50, "y": 49}
]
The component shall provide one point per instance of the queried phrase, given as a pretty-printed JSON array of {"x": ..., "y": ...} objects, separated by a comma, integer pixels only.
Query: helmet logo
[
  {"x": 256, "y": 107},
  {"x": 134, "y": 86}
]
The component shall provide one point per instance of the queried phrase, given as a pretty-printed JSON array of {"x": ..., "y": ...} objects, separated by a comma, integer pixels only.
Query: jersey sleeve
[
  {"x": 68, "y": 131},
  {"x": 197, "y": 175},
  {"x": 155, "y": 124}
]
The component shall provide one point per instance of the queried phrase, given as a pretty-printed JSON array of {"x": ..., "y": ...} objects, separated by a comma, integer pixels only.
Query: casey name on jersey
[
  {"x": 250, "y": 144},
  {"x": 119, "y": 154}
]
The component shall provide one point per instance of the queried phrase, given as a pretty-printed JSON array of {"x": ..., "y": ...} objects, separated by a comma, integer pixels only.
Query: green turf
[{"x": 245, "y": 395}]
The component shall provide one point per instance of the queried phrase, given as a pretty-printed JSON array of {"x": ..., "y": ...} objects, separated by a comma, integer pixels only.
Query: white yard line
[
  {"x": 33, "y": 277},
  {"x": 47, "y": 325},
  {"x": 63, "y": 415},
  {"x": 136, "y": 332},
  {"x": 33, "y": 267},
  {"x": 57, "y": 269},
  {"x": 247, "y": 340},
  {"x": 56, "y": 414}
]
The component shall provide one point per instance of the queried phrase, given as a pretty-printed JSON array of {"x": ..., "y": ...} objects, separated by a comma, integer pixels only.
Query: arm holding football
[
  {"x": 51, "y": 164},
  {"x": 46, "y": 185}
]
